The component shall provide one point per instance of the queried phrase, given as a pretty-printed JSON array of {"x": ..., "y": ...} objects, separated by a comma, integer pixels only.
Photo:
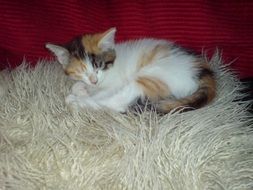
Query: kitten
[{"x": 116, "y": 76}]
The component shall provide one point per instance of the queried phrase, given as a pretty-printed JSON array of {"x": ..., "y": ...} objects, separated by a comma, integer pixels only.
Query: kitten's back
[{"x": 164, "y": 70}]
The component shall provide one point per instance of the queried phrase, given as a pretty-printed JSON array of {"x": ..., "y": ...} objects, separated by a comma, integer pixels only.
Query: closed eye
[
  {"x": 108, "y": 62},
  {"x": 94, "y": 62}
]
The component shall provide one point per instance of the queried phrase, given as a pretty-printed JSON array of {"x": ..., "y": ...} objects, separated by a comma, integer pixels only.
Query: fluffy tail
[{"x": 204, "y": 95}]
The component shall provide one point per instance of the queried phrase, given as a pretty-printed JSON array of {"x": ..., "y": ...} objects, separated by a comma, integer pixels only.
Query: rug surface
[{"x": 46, "y": 145}]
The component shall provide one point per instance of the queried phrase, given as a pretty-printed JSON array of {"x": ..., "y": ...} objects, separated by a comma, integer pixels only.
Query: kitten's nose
[
  {"x": 94, "y": 82},
  {"x": 93, "y": 79}
]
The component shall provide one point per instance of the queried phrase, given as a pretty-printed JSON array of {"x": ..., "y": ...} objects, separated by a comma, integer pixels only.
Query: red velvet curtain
[{"x": 198, "y": 24}]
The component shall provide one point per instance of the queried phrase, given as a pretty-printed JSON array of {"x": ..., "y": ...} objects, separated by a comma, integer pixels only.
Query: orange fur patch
[
  {"x": 147, "y": 58},
  {"x": 75, "y": 68},
  {"x": 153, "y": 87},
  {"x": 166, "y": 106},
  {"x": 210, "y": 83},
  {"x": 200, "y": 98},
  {"x": 207, "y": 80},
  {"x": 204, "y": 95},
  {"x": 90, "y": 43}
]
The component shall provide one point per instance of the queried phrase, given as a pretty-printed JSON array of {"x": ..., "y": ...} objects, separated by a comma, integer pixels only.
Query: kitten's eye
[
  {"x": 109, "y": 65},
  {"x": 94, "y": 60},
  {"x": 108, "y": 62}
]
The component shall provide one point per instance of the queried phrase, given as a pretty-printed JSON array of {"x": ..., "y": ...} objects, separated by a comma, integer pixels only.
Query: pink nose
[
  {"x": 93, "y": 79},
  {"x": 94, "y": 82}
]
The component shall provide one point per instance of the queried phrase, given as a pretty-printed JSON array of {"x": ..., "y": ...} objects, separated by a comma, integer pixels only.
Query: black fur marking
[
  {"x": 95, "y": 60},
  {"x": 183, "y": 49},
  {"x": 141, "y": 105},
  {"x": 103, "y": 60},
  {"x": 76, "y": 48},
  {"x": 205, "y": 72}
]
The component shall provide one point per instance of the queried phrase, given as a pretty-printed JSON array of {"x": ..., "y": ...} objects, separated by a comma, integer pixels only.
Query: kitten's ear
[
  {"x": 61, "y": 53},
  {"x": 107, "y": 40}
]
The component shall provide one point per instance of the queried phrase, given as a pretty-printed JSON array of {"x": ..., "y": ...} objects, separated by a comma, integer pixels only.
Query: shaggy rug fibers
[{"x": 44, "y": 144}]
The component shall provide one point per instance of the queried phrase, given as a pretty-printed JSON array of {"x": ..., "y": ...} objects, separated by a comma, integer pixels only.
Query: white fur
[{"x": 117, "y": 87}]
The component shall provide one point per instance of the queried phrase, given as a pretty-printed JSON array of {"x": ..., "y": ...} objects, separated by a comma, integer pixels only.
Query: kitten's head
[{"x": 87, "y": 57}]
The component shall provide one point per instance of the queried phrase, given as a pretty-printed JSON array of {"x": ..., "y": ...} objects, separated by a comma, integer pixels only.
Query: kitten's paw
[
  {"x": 113, "y": 106},
  {"x": 81, "y": 102},
  {"x": 71, "y": 99},
  {"x": 79, "y": 89},
  {"x": 88, "y": 103}
]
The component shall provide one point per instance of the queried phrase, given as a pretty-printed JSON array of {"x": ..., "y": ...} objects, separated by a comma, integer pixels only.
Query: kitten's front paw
[
  {"x": 81, "y": 102},
  {"x": 71, "y": 99},
  {"x": 88, "y": 103},
  {"x": 79, "y": 89}
]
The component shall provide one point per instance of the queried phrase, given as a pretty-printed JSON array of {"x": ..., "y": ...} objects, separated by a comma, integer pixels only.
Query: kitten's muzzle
[{"x": 93, "y": 79}]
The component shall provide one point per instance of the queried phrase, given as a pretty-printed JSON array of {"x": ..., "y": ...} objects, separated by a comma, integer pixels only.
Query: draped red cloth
[{"x": 198, "y": 24}]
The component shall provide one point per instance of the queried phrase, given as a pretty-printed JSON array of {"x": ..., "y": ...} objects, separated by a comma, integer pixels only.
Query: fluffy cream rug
[{"x": 46, "y": 145}]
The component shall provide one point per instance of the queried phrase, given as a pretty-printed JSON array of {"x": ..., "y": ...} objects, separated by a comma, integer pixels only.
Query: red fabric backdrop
[{"x": 199, "y": 24}]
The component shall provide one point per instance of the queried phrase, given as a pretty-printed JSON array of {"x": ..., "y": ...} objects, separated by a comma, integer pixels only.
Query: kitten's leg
[
  {"x": 79, "y": 89},
  {"x": 81, "y": 101},
  {"x": 121, "y": 100},
  {"x": 88, "y": 100},
  {"x": 81, "y": 95},
  {"x": 118, "y": 101}
]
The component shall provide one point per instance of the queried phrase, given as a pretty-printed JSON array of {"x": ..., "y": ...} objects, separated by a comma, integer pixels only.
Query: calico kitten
[{"x": 116, "y": 75}]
